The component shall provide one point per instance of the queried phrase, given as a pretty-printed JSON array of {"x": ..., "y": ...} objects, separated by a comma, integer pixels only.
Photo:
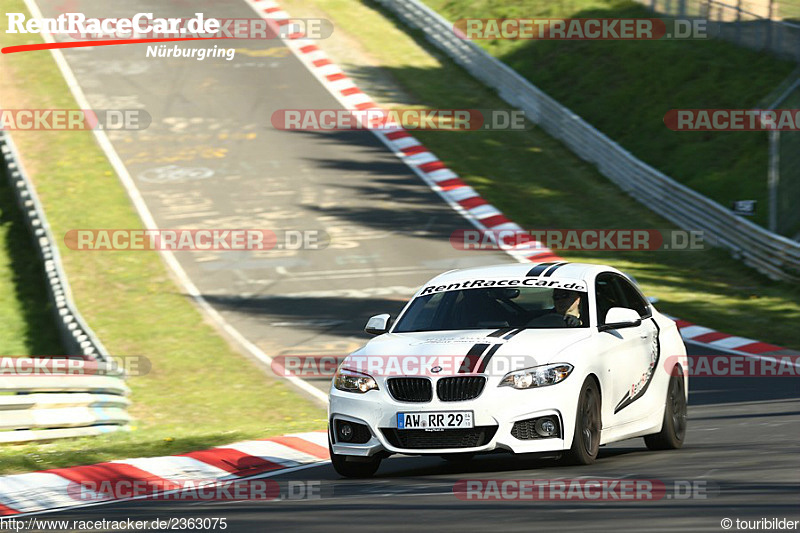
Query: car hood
[{"x": 539, "y": 345}]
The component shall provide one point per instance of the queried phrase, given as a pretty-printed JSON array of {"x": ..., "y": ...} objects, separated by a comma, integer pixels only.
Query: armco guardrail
[
  {"x": 755, "y": 24},
  {"x": 41, "y": 401},
  {"x": 773, "y": 255},
  {"x": 76, "y": 336},
  {"x": 90, "y": 398}
]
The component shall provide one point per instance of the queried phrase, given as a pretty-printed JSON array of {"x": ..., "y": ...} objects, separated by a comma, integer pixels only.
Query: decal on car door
[{"x": 638, "y": 389}]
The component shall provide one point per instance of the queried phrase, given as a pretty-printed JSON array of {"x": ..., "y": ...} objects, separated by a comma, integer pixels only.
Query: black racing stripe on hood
[
  {"x": 553, "y": 269},
  {"x": 512, "y": 333},
  {"x": 488, "y": 357},
  {"x": 538, "y": 269},
  {"x": 470, "y": 362},
  {"x": 500, "y": 332}
]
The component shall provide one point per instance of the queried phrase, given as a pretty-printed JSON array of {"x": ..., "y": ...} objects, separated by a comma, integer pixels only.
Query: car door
[{"x": 631, "y": 353}]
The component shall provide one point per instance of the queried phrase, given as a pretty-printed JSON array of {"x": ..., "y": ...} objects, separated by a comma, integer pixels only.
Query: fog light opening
[
  {"x": 546, "y": 427},
  {"x": 345, "y": 431}
]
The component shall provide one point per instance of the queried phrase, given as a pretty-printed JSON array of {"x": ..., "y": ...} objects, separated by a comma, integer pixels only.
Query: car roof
[{"x": 553, "y": 269}]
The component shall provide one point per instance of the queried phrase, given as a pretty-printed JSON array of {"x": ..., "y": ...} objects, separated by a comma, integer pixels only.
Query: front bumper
[{"x": 495, "y": 411}]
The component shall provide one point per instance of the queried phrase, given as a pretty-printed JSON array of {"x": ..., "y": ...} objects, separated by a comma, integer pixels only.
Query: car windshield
[{"x": 490, "y": 308}]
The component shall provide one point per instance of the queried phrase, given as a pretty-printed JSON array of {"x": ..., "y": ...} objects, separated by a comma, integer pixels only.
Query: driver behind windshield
[{"x": 568, "y": 304}]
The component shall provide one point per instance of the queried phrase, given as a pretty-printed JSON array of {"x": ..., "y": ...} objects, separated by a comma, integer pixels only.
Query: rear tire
[
  {"x": 588, "y": 423},
  {"x": 673, "y": 429},
  {"x": 353, "y": 469}
]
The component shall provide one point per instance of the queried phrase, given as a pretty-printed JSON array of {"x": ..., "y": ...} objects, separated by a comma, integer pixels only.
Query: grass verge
[
  {"x": 200, "y": 392},
  {"x": 624, "y": 88},
  {"x": 538, "y": 183},
  {"x": 789, "y": 10},
  {"x": 26, "y": 315}
]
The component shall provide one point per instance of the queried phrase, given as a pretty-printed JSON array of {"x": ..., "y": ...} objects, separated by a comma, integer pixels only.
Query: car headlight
[
  {"x": 352, "y": 381},
  {"x": 538, "y": 376}
]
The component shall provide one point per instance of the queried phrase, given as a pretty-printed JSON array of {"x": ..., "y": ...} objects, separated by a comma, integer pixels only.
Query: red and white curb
[
  {"x": 461, "y": 197},
  {"x": 49, "y": 490},
  {"x": 411, "y": 151},
  {"x": 725, "y": 342}
]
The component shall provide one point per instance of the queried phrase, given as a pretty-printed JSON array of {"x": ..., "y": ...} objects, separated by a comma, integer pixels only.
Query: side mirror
[
  {"x": 379, "y": 324},
  {"x": 620, "y": 317}
]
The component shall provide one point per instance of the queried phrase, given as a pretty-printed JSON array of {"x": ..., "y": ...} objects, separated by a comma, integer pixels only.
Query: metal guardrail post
[
  {"x": 773, "y": 178},
  {"x": 738, "y": 21},
  {"x": 770, "y": 15}
]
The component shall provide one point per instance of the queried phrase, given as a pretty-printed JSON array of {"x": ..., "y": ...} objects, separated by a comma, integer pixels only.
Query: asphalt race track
[
  {"x": 212, "y": 160},
  {"x": 740, "y": 451}
]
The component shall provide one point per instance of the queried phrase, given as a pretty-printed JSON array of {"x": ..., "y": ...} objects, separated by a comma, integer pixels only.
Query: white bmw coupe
[{"x": 554, "y": 357}]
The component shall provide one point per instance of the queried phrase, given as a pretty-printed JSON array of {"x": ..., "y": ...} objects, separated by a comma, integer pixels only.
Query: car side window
[
  {"x": 633, "y": 299},
  {"x": 607, "y": 296}
]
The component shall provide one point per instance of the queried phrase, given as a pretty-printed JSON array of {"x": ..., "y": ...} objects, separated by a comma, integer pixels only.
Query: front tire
[
  {"x": 353, "y": 469},
  {"x": 673, "y": 429},
  {"x": 588, "y": 423}
]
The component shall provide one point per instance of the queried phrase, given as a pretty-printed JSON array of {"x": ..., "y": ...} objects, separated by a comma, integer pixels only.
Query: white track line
[{"x": 149, "y": 221}]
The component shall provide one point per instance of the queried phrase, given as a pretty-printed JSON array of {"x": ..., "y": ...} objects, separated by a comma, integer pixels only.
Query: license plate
[{"x": 435, "y": 420}]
